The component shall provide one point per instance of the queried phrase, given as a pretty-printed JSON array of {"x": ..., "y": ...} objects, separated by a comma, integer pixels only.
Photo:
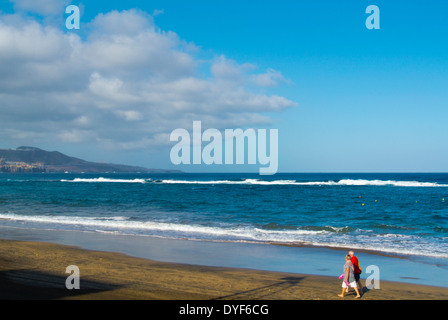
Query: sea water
[{"x": 398, "y": 214}]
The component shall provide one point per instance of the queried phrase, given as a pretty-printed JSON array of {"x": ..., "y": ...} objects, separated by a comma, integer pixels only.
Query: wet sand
[{"x": 36, "y": 270}]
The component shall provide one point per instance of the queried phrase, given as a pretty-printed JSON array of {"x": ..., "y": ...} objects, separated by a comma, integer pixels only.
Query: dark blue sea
[{"x": 398, "y": 214}]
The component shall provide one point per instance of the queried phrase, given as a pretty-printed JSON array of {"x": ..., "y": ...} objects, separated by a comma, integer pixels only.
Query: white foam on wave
[
  {"x": 357, "y": 239},
  {"x": 199, "y": 182},
  {"x": 68, "y": 220},
  {"x": 360, "y": 182},
  {"x": 343, "y": 182},
  {"x": 125, "y": 223},
  {"x": 245, "y": 181},
  {"x": 101, "y": 179},
  {"x": 416, "y": 249}
]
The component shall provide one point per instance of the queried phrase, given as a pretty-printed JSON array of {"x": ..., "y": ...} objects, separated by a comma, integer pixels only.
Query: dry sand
[{"x": 36, "y": 270}]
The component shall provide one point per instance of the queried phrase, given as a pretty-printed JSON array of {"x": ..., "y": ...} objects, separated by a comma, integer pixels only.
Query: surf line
[{"x": 190, "y": 146}]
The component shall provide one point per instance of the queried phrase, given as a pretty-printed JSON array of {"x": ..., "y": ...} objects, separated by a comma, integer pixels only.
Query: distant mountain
[{"x": 31, "y": 159}]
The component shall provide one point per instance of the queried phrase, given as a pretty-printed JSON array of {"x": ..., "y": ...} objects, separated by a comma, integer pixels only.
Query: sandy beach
[{"x": 36, "y": 270}]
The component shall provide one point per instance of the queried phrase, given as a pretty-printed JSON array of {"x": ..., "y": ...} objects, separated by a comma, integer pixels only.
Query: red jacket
[{"x": 356, "y": 265}]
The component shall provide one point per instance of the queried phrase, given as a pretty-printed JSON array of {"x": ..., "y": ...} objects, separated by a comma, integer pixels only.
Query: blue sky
[{"x": 355, "y": 100}]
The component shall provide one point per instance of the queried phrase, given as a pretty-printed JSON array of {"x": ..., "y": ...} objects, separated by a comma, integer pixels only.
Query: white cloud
[
  {"x": 130, "y": 115},
  {"x": 82, "y": 121},
  {"x": 126, "y": 84},
  {"x": 269, "y": 79},
  {"x": 224, "y": 68},
  {"x": 75, "y": 136}
]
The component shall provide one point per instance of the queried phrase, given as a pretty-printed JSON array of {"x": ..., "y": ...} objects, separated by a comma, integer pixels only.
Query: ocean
[{"x": 398, "y": 214}]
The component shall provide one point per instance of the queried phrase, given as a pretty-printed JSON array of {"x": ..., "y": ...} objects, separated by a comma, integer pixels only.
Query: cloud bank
[{"x": 123, "y": 83}]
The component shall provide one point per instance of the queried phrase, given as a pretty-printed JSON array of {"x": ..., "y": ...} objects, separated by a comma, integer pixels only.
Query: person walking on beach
[
  {"x": 349, "y": 277},
  {"x": 357, "y": 269}
]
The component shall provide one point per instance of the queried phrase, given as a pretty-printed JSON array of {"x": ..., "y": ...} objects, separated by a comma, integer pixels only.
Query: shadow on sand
[
  {"x": 34, "y": 285},
  {"x": 265, "y": 291}
]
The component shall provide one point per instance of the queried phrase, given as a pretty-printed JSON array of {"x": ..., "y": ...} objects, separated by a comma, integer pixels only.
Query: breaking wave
[
  {"x": 323, "y": 236},
  {"x": 342, "y": 182}
]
